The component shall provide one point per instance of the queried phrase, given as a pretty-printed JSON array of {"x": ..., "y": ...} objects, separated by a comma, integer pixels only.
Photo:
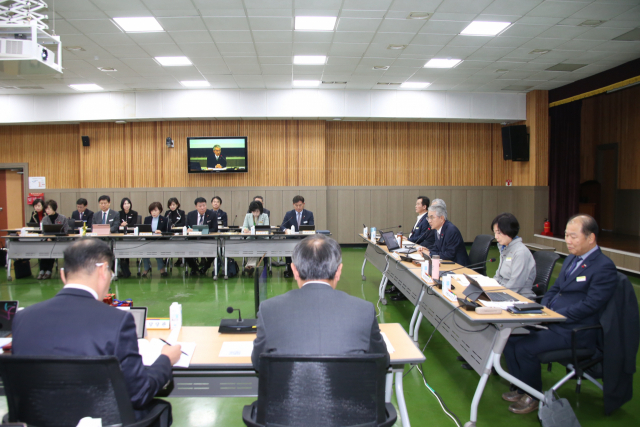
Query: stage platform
[{"x": 624, "y": 250}]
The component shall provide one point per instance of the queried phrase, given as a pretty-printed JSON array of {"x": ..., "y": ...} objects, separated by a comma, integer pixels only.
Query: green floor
[{"x": 204, "y": 302}]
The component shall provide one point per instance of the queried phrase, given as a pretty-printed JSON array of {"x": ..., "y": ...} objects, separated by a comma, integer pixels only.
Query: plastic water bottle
[
  {"x": 184, "y": 230},
  {"x": 253, "y": 229},
  {"x": 435, "y": 270},
  {"x": 293, "y": 229},
  {"x": 175, "y": 315},
  {"x": 365, "y": 232},
  {"x": 374, "y": 232}
]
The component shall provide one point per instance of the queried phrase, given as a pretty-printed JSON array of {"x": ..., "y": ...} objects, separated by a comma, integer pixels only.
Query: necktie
[
  {"x": 81, "y": 215},
  {"x": 104, "y": 217},
  {"x": 199, "y": 219},
  {"x": 298, "y": 214},
  {"x": 575, "y": 261}
]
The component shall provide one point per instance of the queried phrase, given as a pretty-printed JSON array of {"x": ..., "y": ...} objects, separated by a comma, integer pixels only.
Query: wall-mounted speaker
[
  {"x": 85, "y": 141},
  {"x": 515, "y": 143}
]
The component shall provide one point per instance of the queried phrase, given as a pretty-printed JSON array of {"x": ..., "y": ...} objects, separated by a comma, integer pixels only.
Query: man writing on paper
[
  {"x": 77, "y": 323},
  {"x": 316, "y": 319},
  {"x": 216, "y": 160}
]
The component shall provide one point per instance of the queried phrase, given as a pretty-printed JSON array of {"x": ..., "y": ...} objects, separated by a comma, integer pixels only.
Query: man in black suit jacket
[
  {"x": 421, "y": 226},
  {"x": 296, "y": 217},
  {"x": 449, "y": 244},
  {"x": 106, "y": 215},
  {"x": 216, "y": 160},
  {"x": 82, "y": 213},
  {"x": 316, "y": 319},
  {"x": 221, "y": 215},
  {"x": 586, "y": 283},
  {"x": 201, "y": 216},
  {"x": 77, "y": 323}
]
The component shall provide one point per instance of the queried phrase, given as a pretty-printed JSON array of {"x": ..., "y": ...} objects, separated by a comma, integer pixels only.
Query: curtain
[{"x": 564, "y": 164}]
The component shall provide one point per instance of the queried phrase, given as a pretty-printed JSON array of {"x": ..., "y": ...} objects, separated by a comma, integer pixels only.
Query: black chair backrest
[
  {"x": 322, "y": 391},
  {"x": 479, "y": 251},
  {"x": 545, "y": 263},
  {"x": 59, "y": 391}
]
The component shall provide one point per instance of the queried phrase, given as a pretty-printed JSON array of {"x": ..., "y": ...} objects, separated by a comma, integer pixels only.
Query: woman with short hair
[
  {"x": 51, "y": 217},
  {"x": 256, "y": 216},
  {"x": 158, "y": 224}
]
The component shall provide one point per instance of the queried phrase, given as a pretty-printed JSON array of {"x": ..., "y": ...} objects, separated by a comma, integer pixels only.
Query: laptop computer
[
  {"x": 203, "y": 228},
  {"x": 33, "y": 225},
  {"x": 142, "y": 228},
  {"x": 52, "y": 229},
  {"x": 392, "y": 244},
  {"x": 8, "y": 310},
  {"x": 263, "y": 227},
  {"x": 307, "y": 228},
  {"x": 475, "y": 291},
  {"x": 140, "y": 318},
  {"x": 101, "y": 229}
]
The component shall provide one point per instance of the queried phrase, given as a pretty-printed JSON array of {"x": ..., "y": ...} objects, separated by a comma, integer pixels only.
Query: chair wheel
[
  {"x": 215, "y": 277},
  {"x": 9, "y": 279},
  {"x": 364, "y": 277},
  {"x": 384, "y": 301},
  {"x": 226, "y": 277}
]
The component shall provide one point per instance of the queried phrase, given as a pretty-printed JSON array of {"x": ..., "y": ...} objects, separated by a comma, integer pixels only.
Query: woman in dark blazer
[
  {"x": 129, "y": 219},
  {"x": 51, "y": 217},
  {"x": 174, "y": 214},
  {"x": 38, "y": 211},
  {"x": 158, "y": 225}
]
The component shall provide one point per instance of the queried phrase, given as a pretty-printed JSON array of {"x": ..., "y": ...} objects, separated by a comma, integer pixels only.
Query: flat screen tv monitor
[{"x": 217, "y": 154}]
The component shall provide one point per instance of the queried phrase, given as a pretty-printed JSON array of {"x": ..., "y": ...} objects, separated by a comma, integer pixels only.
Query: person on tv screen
[{"x": 216, "y": 160}]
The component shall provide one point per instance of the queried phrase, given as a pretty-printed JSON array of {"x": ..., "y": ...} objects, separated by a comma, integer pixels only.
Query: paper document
[
  {"x": 390, "y": 348},
  {"x": 485, "y": 282},
  {"x": 236, "y": 349},
  {"x": 498, "y": 304},
  {"x": 185, "y": 359},
  {"x": 5, "y": 341},
  {"x": 460, "y": 279},
  {"x": 416, "y": 256},
  {"x": 151, "y": 350}
]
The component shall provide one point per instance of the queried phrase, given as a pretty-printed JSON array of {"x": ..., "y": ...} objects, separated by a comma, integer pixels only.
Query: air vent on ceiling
[
  {"x": 517, "y": 88},
  {"x": 419, "y": 15},
  {"x": 501, "y": 71},
  {"x": 631, "y": 36},
  {"x": 539, "y": 51},
  {"x": 396, "y": 46},
  {"x": 74, "y": 48},
  {"x": 566, "y": 67},
  {"x": 107, "y": 69},
  {"x": 591, "y": 23},
  {"x": 388, "y": 84},
  {"x": 380, "y": 67},
  {"x": 333, "y": 83}
]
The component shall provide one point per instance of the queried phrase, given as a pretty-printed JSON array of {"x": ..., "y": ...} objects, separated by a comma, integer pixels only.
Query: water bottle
[
  {"x": 374, "y": 232},
  {"x": 365, "y": 232},
  {"x": 435, "y": 270},
  {"x": 293, "y": 229},
  {"x": 175, "y": 315},
  {"x": 253, "y": 230},
  {"x": 446, "y": 283}
]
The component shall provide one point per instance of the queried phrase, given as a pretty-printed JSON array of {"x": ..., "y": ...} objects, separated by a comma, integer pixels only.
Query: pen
[{"x": 170, "y": 346}]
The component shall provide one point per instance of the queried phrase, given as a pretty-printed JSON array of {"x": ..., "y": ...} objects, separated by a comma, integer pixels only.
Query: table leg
[
  {"x": 388, "y": 388},
  {"x": 383, "y": 284},
  {"x": 226, "y": 276},
  {"x": 9, "y": 278},
  {"x": 215, "y": 268},
  {"x": 362, "y": 271},
  {"x": 417, "y": 328},
  {"x": 404, "y": 415},
  {"x": 413, "y": 319},
  {"x": 478, "y": 394},
  {"x": 115, "y": 270}
]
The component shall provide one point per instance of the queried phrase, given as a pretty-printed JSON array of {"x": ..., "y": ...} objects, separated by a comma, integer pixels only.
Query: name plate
[
  {"x": 308, "y": 232},
  {"x": 145, "y": 233},
  {"x": 91, "y": 234},
  {"x": 195, "y": 233},
  {"x": 261, "y": 232},
  {"x": 158, "y": 323}
]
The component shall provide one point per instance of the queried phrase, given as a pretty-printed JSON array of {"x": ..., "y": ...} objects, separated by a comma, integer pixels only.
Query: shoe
[
  {"x": 391, "y": 290},
  {"x": 467, "y": 366},
  {"x": 178, "y": 263},
  {"x": 146, "y": 272},
  {"x": 46, "y": 275},
  {"x": 194, "y": 273},
  {"x": 125, "y": 276},
  {"x": 40, "y": 275},
  {"x": 164, "y": 274},
  {"x": 461, "y": 359},
  {"x": 512, "y": 396},
  {"x": 525, "y": 405},
  {"x": 399, "y": 297},
  {"x": 288, "y": 274},
  {"x": 203, "y": 271},
  {"x": 248, "y": 271}
]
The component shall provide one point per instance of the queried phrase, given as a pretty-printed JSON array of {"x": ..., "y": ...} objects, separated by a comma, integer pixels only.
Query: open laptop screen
[
  {"x": 7, "y": 312},
  {"x": 390, "y": 240},
  {"x": 140, "y": 317}
]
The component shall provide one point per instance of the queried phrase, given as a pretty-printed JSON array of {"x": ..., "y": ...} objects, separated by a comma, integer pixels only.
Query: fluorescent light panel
[
  {"x": 173, "y": 61},
  {"x": 86, "y": 86},
  {"x": 306, "y": 83},
  {"x": 414, "y": 85},
  {"x": 315, "y": 23},
  {"x": 138, "y": 25},
  {"x": 484, "y": 28},
  {"x": 195, "y": 83},
  {"x": 442, "y": 63},
  {"x": 309, "y": 59}
]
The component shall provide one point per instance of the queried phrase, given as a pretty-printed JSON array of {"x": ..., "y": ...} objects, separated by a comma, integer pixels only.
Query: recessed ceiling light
[
  {"x": 484, "y": 28},
  {"x": 315, "y": 23},
  {"x": 539, "y": 51},
  {"x": 333, "y": 83},
  {"x": 173, "y": 61},
  {"x": 591, "y": 23},
  {"x": 309, "y": 59},
  {"x": 388, "y": 84},
  {"x": 419, "y": 15},
  {"x": 380, "y": 67},
  {"x": 414, "y": 85},
  {"x": 396, "y": 46},
  {"x": 107, "y": 69},
  {"x": 306, "y": 83},
  {"x": 75, "y": 48},
  {"x": 138, "y": 25},
  {"x": 87, "y": 86},
  {"x": 442, "y": 63},
  {"x": 195, "y": 83},
  {"x": 566, "y": 67}
]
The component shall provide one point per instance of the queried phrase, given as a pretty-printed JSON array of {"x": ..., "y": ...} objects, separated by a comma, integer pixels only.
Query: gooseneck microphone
[
  {"x": 282, "y": 225},
  {"x": 233, "y": 225},
  {"x": 231, "y": 310},
  {"x": 469, "y": 266}
]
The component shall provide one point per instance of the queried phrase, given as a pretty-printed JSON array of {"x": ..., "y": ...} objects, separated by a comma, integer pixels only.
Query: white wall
[{"x": 264, "y": 104}]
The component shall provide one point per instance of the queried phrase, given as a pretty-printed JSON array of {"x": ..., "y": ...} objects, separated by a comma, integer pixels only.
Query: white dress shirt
[{"x": 82, "y": 288}]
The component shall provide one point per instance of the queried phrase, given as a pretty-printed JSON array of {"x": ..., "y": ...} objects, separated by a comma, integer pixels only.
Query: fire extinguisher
[{"x": 547, "y": 228}]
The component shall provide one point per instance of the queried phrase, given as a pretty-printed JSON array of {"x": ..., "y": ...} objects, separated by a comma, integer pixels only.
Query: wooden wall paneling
[
  {"x": 474, "y": 213},
  {"x": 346, "y": 209},
  {"x": 436, "y": 160},
  {"x": 538, "y": 120},
  {"x": 458, "y": 211},
  {"x": 470, "y": 154},
  {"x": 379, "y": 209},
  {"x": 409, "y": 216},
  {"x": 489, "y": 209},
  {"x": 321, "y": 213},
  {"x": 312, "y": 153},
  {"x": 273, "y": 200},
  {"x": 362, "y": 211},
  {"x": 67, "y": 203},
  {"x": 333, "y": 217}
]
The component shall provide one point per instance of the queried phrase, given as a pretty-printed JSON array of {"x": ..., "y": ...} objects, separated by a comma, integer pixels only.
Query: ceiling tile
[
  {"x": 580, "y": 45},
  {"x": 191, "y": 36},
  {"x": 469, "y": 41},
  {"x": 365, "y": 4},
  {"x": 380, "y": 50},
  {"x": 353, "y": 36},
  {"x": 307, "y": 69},
  {"x": 245, "y": 69},
  {"x": 469, "y": 6},
  {"x": 162, "y": 49},
  {"x": 226, "y": 23},
  {"x": 409, "y": 63},
  {"x": 221, "y": 13},
  {"x": 540, "y": 43},
  {"x": 372, "y": 14},
  {"x": 312, "y": 36},
  {"x": 141, "y": 38},
  {"x": 356, "y": 24},
  {"x": 274, "y": 49},
  {"x": 218, "y": 4},
  {"x": 601, "y": 11},
  {"x": 556, "y": 8},
  {"x": 416, "y": 5},
  {"x": 432, "y": 39},
  {"x": 127, "y": 51},
  {"x": 271, "y": 23},
  {"x": 199, "y": 50},
  {"x": 420, "y": 51},
  {"x": 504, "y": 41},
  {"x": 278, "y": 60},
  {"x": 563, "y": 32},
  {"x": 524, "y": 30},
  {"x": 64, "y": 28},
  {"x": 95, "y": 26},
  {"x": 511, "y": 7},
  {"x": 443, "y": 27},
  {"x": 232, "y": 36},
  {"x": 272, "y": 36},
  {"x": 393, "y": 38},
  {"x": 182, "y": 24},
  {"x": 270, "y": 13},
  {"x": 321, "y": 4},
  {"x": 490, "y": 53},
  {"x": 311, "y": 48},
  {"x": 276, "y": 69},
  {"x": 335, "y": 69},
  {"x": 272, "y": 4},
  {"x": 250, "y": 82},
  {"x": 601, "y": 34},
  {"x": 213, "y": 69},
  {"x": 348, "y": 49},
  {"x": 401, "y": 25},
  {"x": 236, "y": 48}
]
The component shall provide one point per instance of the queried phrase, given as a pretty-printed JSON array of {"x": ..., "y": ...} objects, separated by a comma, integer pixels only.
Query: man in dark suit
[
  {"x": 221, "y": 215},
  {"x": 586, "y": 283},
  {"x": 421, "y": 227},
  {"x": 449, "y": 244},
  {"x": 296, "y": 217},
  {"x": 105, "y": 215},
  {"x": 216, "y": 160},
  {"x": 201, "y": 216},
  {"x": 77, "y": 323},
  {"x": 82, "y": 214},
  {"x": 316, "y": 319}
]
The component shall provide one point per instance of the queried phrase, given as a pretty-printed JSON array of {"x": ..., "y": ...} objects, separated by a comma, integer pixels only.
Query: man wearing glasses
[
  {"x": 77, "y": 323},
  {"x": 449, "y": 244}
]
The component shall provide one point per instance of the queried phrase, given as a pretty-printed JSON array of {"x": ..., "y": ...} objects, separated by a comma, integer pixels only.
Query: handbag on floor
[
  {"x": 22, "y": 268},
  {"x": 558, "y": 413}
]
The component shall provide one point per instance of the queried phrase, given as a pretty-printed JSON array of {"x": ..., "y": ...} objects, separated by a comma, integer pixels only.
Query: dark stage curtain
[{"x": 564, "y": 164}]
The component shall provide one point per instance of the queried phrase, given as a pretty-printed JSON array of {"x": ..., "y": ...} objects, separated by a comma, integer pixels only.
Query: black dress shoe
[
  {"x": 467, "y": 367},
  {"x": 461, "y": 359},
  {"x": 399, "y": 297},
  {"x": 194, "y": 273},
  {"x": 288, "y": 274},
  {"x": 391, "y": 290}
]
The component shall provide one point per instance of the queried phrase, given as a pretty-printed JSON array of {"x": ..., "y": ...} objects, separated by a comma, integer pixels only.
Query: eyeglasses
[
  {"x": 431, "y": 218},
  {"x": 100, "y": 264}
]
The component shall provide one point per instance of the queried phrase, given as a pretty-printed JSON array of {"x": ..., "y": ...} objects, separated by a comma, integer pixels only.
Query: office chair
[
  {"x": 479, "y": 251},
  {"x": 545, "y": 263},
  {"x": 321, "y": 391},
  {"x": 59, "y": 391}
]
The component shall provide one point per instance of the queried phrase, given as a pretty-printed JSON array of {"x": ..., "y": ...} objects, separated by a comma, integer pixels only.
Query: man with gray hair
[
  {"x": 440, "y": 202},
  {"x": 216, "y": 160},
  {"x": 449, "y": 244},
  {"x": 316, "y": 319}
]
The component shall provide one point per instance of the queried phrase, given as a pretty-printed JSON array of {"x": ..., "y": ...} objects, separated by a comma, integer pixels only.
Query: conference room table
[
  {"x": 210, "y": 375},
  {"x": 480, "y": 339}
]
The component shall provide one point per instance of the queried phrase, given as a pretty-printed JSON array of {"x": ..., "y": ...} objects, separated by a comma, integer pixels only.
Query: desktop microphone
[
  {"x": 468, "y": 266},
  {"x": 282, "y": 225},
  {"x": 231, "y": 310},
  {"x": 234, "y": 221}
]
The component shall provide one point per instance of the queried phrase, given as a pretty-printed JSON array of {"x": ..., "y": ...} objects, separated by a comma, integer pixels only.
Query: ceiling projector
[{"x": 27, "y": 49}]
